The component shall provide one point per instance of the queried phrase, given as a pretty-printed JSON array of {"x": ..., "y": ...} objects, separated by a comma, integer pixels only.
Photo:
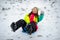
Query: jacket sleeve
[
  {"x": 26, "y": 19},
  {"x": 41, "y": 16}
]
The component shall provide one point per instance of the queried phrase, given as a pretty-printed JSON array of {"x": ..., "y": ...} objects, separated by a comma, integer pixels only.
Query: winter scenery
[{"x": 14, "y": 10}]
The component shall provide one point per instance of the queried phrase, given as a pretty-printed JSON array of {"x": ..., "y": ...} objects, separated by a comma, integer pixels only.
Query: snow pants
[{"x": 29, "y": 28}]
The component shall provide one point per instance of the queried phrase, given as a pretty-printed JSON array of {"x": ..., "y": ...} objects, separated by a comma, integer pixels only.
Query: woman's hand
[{"x": 42, "y": 12}]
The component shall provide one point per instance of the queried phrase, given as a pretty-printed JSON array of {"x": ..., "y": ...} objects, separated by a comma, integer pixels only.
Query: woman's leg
[
  {"x": 21, "y": 23},
  {"x": 18, "y": 24},
  {"x": 33, "y": 26},
  {"x": 29, "y": 28}
]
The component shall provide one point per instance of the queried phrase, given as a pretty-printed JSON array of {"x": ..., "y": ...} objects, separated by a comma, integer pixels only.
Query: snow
[{"x": 14, "y": 10}]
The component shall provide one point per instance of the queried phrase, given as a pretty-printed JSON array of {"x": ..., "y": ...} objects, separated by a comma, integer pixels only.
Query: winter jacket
[{"x": 35, "y": 19}]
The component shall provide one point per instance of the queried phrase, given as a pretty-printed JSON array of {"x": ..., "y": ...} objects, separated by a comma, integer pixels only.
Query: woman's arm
[
  {"x": 26, "y": 19},
  {"x": 41, "y": 16}
]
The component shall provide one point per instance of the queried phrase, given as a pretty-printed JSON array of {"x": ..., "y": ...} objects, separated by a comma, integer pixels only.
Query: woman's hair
[{"x": 36, "y": 14}]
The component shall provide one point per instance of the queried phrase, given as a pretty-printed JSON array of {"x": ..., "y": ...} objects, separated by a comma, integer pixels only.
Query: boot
[{"x": 13, "y": 26}]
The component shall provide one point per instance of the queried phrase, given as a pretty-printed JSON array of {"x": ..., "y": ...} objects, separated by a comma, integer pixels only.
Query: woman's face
[{"x": 35, "y": 10}]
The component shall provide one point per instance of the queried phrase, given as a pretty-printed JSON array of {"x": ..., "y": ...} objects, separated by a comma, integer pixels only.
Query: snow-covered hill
[{"x": 13, "y": 10}]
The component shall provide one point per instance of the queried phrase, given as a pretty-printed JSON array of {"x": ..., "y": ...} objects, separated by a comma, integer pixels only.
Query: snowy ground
[{"x": 13, "y": 10}]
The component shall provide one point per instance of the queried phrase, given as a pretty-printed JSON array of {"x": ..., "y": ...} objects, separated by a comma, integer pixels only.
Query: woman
[{"x": 29, "y": 23}]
